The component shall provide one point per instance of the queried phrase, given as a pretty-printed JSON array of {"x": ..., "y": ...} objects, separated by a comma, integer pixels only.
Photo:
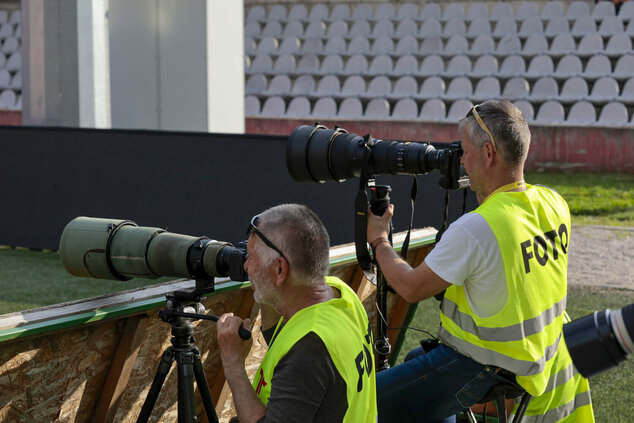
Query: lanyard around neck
[{"x": 507, "y": 187}]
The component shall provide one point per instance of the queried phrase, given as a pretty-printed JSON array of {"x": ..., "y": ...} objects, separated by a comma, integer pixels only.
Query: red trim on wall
[{"x": 11, "y": 117}]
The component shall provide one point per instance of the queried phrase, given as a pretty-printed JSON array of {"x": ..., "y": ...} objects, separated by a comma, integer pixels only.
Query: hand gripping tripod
[{"x": 180, "y": 309}]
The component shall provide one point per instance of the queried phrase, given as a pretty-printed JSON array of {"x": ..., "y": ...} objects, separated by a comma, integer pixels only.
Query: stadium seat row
[
  {"x": 458, "y": 65},
  {"x": 550, "y": 112},
  {"x": 10, "y": 59},
  {"x": 590, "y": 44},
  {"x": 435, "y": 28},
  {"x": 603, "y": 90},
  {"x": 453, "y": 10}
]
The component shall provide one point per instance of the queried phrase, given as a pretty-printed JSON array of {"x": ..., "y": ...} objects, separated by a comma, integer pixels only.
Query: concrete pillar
[
  {"x": 225, "y": 66},
  {"x": 94, "y": 63},
  {"x": 142, "y": 64},
  {"x": 177, "y": 65},
  {"x": 65, "y": 63}
]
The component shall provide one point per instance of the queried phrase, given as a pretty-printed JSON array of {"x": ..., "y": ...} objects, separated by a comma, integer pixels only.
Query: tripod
[{"x": 181, "y": 308}]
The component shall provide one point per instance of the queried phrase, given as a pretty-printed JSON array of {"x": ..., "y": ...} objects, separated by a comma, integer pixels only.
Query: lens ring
[
  {"x": 310, "y": 137},
  {"x": 620, "y": 330},
  {"x": 147, "y": 248},
  {"x": 297, "y": 150},
  {"x": 337, "y": 132},
  {"x": 111, "y": 235}
]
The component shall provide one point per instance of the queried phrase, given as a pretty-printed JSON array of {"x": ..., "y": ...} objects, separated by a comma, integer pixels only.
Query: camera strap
[
  {"x": 445, "y": 218},
  {"x": 443, "y": 228},
  {"x": 412, "y": 198},
  {"x": 361, "y": 215}
]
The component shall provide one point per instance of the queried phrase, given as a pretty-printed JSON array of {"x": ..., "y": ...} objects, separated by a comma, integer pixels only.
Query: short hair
[
  {"x": 507, "y": 125},
  {"x": 299, "y": 233}
]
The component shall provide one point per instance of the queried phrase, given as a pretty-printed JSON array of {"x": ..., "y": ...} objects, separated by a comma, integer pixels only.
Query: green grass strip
[{"x": 136, "y": 307}]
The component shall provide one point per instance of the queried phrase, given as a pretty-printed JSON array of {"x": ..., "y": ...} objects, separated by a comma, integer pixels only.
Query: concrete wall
[
  {"x": 177, "y": 65},
  {"x": 150, "y": 64}
]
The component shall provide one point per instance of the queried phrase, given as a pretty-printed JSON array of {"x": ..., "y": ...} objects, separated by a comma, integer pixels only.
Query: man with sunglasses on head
[
  {"x": 503, "y": 269},
  {"x": 319, "y": 362}
]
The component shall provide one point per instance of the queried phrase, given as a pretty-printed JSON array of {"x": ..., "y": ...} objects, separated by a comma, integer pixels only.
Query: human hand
[
  {"x": 379, "y": 226},
  {"x": 233, "y": 349}
]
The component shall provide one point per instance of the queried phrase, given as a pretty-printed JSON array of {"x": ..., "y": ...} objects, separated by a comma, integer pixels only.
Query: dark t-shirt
[{"x": 306, "y": 385}]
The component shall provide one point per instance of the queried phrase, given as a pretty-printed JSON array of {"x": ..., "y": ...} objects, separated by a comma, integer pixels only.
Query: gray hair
[
  {"x": 507, "y": 125},
  {"x": 299, "y": 233}
]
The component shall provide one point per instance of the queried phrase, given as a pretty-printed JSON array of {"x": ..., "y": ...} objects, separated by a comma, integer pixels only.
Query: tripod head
[{"x": 182, "y": 307}]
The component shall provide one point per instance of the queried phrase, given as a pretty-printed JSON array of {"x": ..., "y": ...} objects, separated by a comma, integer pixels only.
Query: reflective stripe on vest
[
  {"x": 514, "y": 332},
  {"x": 569, "y": 412},
  {"x": 489, "y": 356},
  {"x": 566, "y": 398},
  {"x": 532, "y": 230},
  {"x": 342, "y": 324}
]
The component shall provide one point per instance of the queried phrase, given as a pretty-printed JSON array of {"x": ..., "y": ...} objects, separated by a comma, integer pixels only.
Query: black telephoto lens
[
  {"x": 319, "y": 154},
  {"x": 600, "y": 341}
]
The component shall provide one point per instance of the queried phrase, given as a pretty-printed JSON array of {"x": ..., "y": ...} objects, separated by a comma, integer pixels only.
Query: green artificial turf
[
  {"x": 31, "y": 279},
  {"x": 593, "y": 198}
]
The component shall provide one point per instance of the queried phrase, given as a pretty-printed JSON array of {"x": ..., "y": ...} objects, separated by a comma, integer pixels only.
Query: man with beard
[{"x": 319, "y": 363}]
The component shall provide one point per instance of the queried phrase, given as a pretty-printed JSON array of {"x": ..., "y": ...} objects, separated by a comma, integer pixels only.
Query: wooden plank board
[{"x": 121, "y": 368}]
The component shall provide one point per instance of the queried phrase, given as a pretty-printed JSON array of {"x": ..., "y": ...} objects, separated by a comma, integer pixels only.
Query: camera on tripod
[{"x": 120, "y": 250}]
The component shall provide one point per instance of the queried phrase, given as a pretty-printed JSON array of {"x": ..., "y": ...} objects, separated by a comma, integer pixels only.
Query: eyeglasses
[
  {"x": 473, "y": 112},
  {"x": 253, "y": 228}
]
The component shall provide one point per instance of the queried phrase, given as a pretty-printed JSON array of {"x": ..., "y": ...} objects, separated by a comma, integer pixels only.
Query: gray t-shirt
[{"x": 307, "y": 387}]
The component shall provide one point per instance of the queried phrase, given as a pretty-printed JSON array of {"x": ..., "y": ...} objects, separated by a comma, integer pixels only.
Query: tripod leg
[
  {"x": 159, "y": 378},
  {"x": 203, "y": 387},
  {"x": 186, "y": 400}
]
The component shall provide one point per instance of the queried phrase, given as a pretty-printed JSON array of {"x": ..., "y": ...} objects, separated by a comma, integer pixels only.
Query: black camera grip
[
  {"x": 379, "y": 199},
  {"x": 244, "y": 333}
]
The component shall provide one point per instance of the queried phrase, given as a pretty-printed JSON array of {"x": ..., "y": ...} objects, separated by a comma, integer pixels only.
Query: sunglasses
[
  {"x": 253, "y": 228},
  {"x": 474, "y": 112}
]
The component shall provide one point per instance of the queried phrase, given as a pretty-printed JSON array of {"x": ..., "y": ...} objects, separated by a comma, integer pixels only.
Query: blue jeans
[{"x": 432, "y": 386}]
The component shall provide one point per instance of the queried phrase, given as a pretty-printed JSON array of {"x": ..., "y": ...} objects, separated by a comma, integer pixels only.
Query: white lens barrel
[{"x": 620, "y": 331}]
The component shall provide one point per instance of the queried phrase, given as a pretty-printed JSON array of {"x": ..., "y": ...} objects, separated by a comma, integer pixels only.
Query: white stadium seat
[
  {"x": 377, "y": 108},
  {"x": 434, "y": 110},
  {"x": 405, "y": 108},
  {"x": 550, "y": 112},
  {"x": 582, "y": 113}
]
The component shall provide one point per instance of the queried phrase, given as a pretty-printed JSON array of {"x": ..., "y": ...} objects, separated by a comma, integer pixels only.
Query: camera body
[{"x": 318, "y": 154}]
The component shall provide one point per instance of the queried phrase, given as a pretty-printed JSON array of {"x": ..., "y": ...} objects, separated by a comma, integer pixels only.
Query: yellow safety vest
[
  {"x": 532, "y": 228},
  {"x": 342, "y": 324},
  {"x": 566, "y": 398}
]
